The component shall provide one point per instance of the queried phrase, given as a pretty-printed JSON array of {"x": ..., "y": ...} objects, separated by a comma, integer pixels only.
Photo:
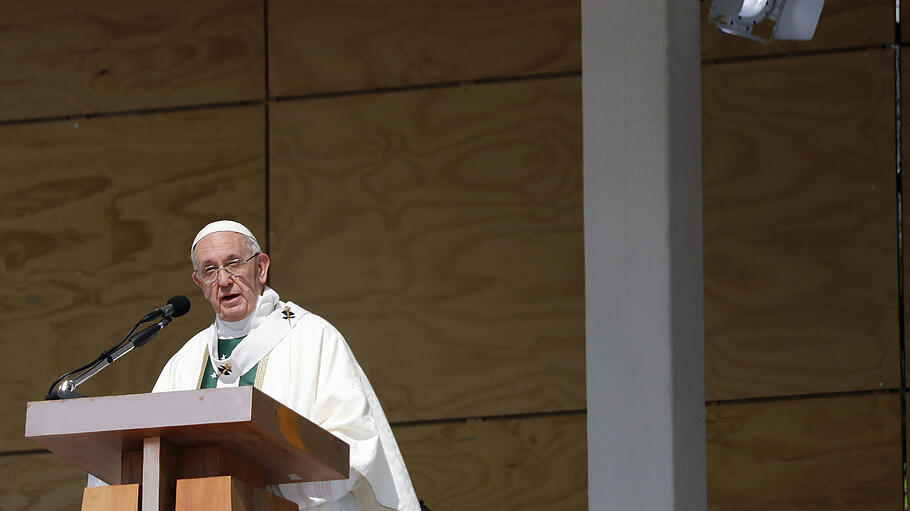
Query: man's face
[{"x": 232, "y": 298}]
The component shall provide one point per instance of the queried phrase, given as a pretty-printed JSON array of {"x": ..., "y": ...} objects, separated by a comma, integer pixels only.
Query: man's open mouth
[{"x": 228, "y": 298}]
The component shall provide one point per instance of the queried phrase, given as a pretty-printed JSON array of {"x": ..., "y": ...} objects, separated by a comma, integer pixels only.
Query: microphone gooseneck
[{"x": 177, "y": 306}]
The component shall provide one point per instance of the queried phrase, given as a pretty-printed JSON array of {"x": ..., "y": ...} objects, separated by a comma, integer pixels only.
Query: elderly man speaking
[{"x": 297, "y": 358}]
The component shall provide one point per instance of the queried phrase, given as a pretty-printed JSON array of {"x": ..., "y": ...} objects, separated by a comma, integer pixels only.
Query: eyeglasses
[{"x": 209, "y": 274}]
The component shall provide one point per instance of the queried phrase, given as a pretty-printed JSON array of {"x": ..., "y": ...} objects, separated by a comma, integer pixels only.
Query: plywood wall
[
  {"x": 461, "y": 279},
  {"x": 414, "y": 169},
  {"x": 100, "y": 56},
  {"x": 98, "y": 215},
  {"x": 803, "y": 338}
]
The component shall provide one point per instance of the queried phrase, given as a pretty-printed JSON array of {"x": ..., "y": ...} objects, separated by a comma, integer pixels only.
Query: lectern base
[
  {"x": 222, "y": 493},
  {"x": 226, "y": 493},
  {"x": 121, "y": 497}
]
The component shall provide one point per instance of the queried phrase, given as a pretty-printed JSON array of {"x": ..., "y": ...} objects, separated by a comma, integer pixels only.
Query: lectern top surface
[{"x": 93, "y": 433}]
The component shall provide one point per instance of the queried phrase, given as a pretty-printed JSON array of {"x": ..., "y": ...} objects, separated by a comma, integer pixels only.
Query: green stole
[{"x": 225, "y": 347}]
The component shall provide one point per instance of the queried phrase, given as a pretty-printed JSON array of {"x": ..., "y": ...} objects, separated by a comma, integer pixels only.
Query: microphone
[{"x": 175, "y": 307}]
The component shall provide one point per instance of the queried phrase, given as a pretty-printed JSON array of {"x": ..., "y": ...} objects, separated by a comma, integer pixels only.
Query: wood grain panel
[
  {"x": 537, "y": 463},
  {"x": 832, "y": 454},
  {"x": 799, "y": 226},
  {"x": 905, "y": 182},
  {"x": 441, "y": 232},
  {"x": 905, "y": 16},
  {"x": 97, "y": 219},
  {"x": 122, "y": 497},
  {"x": 335, "y": 45},
  {"x": 226, "y": 493},
  {"x": 843, "y": 24},
  {"x": 60, "y": 58},
  {"x": 39, "y": 482}
]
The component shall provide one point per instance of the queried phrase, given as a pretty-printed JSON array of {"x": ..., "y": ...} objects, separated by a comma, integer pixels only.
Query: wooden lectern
[{"x": 199, "y": 449}]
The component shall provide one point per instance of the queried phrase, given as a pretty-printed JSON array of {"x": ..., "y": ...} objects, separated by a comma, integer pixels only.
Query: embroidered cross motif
[
  {"x": 288, "y": 314},
  {"x": 225, "y": 369}
]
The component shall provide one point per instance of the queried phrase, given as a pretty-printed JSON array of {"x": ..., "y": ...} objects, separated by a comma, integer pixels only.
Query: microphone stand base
[{"x": 62, "y": 394}]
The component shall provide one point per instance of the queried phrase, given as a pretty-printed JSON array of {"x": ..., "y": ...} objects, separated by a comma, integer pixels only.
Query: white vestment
[{"x": 312, "y": 370}]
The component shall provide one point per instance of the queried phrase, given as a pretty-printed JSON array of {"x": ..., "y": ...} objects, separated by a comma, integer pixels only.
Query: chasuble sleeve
[{"x": 342, "y": 401}]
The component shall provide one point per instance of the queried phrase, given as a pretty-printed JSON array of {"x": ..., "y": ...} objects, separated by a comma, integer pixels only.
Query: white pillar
[{"x": 643, "y": 255}]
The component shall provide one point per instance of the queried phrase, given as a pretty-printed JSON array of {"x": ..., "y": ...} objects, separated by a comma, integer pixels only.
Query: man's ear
[
  {"x": 196, "y": 279},
  {"x": 262, "y": 265}
]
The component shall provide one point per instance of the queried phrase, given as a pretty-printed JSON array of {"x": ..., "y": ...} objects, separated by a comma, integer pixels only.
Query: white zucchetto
[{"x": 222, "y": 225}]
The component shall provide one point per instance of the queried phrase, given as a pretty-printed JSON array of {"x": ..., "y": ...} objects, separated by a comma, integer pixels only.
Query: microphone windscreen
[{"x": 181, "y": 305}]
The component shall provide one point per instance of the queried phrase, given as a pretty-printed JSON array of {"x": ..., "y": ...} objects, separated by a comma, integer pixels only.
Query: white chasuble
[{"x": 311, "y": 370}]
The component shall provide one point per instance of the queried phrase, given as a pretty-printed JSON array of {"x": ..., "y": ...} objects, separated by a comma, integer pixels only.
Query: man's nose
[{"x": 224, "y": 278}]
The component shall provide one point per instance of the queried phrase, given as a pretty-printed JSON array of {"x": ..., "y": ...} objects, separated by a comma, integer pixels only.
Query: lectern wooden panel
[
  {"x": 122, "y": 497},
  {"x": 226, "y": 493}
]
